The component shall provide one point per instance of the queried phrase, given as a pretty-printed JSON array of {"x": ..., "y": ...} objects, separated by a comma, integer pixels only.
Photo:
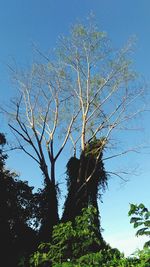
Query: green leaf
[
  {"x": 142, "y": 231},
  {"x": 135, "y": 219},
  {"x": 147, "y": 223}
]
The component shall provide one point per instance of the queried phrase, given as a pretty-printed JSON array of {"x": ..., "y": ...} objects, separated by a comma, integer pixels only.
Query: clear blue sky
[{"x": 23, "y": 22}]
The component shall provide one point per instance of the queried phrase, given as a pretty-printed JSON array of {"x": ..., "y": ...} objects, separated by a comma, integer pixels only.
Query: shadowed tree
[{"x": 17, "y": 212}]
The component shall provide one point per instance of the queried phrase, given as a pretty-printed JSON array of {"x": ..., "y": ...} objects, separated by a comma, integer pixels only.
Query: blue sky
[{"x": 23, "y": 23}]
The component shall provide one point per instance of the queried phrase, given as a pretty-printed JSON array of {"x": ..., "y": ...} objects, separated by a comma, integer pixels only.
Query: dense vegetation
[{"x": 73, "y": 243}]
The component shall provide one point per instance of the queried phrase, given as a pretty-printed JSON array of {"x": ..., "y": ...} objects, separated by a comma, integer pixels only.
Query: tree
[
  {"x": 37, "y": 121},
  {"x": 85, "y": 97},
  {"x": 17, "y": 214}
]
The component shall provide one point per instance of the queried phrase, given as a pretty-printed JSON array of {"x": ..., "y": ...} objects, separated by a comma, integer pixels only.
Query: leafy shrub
[
  {"x": 142, "y": 219},
  {"x": 110, "y": 258},
  {"x": 143, "y": 257},
  {"x": 69, "y": 240},
  {"x": 104, "y": 258}
]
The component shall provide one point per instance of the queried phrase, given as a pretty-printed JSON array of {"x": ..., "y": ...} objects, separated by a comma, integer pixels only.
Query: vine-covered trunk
[{"x": 85, "y": 177}]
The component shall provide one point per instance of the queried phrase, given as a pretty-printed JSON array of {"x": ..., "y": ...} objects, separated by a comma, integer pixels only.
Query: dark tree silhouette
[{"x": 16, "y": 214}]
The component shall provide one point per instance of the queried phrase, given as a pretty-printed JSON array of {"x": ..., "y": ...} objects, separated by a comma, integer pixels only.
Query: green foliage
[
  {"x": 72, "y": 244},
  {"x": 143, "y": 257},
  {"x": 69, "y": 240},
  {"x": 110, "y": 258},
  {"x": 99, "y": 258},
  {"x": 142, "y": 219}
]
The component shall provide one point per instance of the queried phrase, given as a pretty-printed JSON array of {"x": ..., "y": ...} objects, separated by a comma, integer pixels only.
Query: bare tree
[
  {"x": 108, "y": 100},
  {"x": 104, "y": 87},
  {"x": 37, "y": 121},
  {"x": 87, "y": 96}
]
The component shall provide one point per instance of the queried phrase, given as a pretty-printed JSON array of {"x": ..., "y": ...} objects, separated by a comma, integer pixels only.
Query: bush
[{"x": 69, "y": 241}]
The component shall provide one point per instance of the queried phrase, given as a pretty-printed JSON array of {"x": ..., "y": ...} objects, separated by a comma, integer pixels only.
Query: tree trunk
[
  {"x": 81, "y": 194},
  {"x": 49, "y": 206}
]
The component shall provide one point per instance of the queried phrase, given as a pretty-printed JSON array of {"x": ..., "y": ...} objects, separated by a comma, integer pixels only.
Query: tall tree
[
  {"x": 102, "y": 84},
  {"x": 88, "y": 93},
  {"x": 38, "y": 120}
]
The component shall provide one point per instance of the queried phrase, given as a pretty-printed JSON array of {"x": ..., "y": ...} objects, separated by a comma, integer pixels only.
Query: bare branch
[
  {"x": 122, "y": 153},
  {"x": 67, "y": 135},
  {"x": 118, "y": 175}
]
